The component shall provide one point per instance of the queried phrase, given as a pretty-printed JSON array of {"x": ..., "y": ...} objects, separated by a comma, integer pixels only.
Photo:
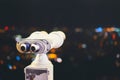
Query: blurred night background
[{"x": 91, "y": 50}]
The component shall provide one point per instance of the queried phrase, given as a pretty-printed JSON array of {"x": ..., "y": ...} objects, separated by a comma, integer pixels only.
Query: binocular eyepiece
[
  {"x": 33, "y": 46},
  {"x": 26, "y": 47}
]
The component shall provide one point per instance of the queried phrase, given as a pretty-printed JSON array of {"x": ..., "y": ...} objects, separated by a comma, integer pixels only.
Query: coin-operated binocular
[{"x": 39, "y": 43}]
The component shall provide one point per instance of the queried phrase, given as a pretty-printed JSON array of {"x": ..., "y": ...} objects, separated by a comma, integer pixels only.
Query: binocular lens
[
  {"x": 35, "y": 47},
  {"x": 25, "y": 47},
  {"x": 22, "y": 48}
]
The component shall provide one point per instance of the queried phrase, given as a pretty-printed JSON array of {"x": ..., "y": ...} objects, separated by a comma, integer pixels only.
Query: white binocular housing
[{"x": 41, "y": 42}]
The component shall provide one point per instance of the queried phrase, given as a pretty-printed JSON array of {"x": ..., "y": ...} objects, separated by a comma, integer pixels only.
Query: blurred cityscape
[{"x": 91, "y": 53}]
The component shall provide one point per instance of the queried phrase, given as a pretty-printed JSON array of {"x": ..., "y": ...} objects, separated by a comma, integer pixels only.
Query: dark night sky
[{"x": 62, "y": 12}]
